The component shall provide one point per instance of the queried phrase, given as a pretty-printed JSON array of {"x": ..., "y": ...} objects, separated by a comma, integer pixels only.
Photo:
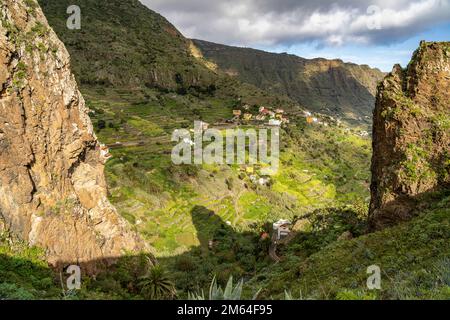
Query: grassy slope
[
  {"x": 123, "y": 43},
  {"x": 414, "y": 259}
]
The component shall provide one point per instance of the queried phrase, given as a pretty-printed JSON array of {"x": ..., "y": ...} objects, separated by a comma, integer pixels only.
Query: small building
[
  {"x": 250, "y": 170},
  {"x": 263, "y": 181},
  {"x": 282, "y": 229},
  {"x": 237, "y": 113},
  {"x": 311, "y": 120},
  {"x": 265, "y": 111},
  {"x": 275, "y": 122},
  {"x": 279, "y": 111},
  {"x": 265, "y": 236},
  {"x": 364, "y": 134},
  {"x": 104, "y": 153},
  {"x": 260, "y": 117},
  {"x": 248, "y": 116},
  {"x": 246, "y": 107}
]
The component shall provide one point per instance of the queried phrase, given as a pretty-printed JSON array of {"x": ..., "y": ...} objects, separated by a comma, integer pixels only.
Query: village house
[
  {"x": 266, "y": 112},
  {"x": 260, "y": 117},
  {"x": 250, "y": 170},
  {"x": 237, "y": 113},
  {"x": 282, "y": 229},
  {"x": 275, "y": 122},
  {"x": 364, "y": 134},
  {"x": 104, "y": 153}
]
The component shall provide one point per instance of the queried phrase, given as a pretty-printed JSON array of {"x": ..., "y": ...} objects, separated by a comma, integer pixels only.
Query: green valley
[{"x": 142, "y": 79}]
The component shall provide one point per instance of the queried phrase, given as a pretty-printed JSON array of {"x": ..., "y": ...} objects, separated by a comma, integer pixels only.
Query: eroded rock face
[
  {"x": 52, "y": 187},
  {"x": 411, "y": 135}
]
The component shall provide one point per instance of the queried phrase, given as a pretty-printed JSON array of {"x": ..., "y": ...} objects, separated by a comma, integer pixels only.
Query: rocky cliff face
[
  {"x": 328, "y": 86},
  {"x": 411, "y": 135},
  {"x": 52, "y": 187}
]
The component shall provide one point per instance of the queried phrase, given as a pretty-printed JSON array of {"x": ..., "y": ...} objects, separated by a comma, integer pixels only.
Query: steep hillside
[
  {"x": 414, "y": 260},
  {"x": 411, "y": 135},
  {"x": 52, "y": 186},
  {"x": 123, "y": 43},
  {"x": 327, "y": 86},
  {"x": 410, "y": 201}
]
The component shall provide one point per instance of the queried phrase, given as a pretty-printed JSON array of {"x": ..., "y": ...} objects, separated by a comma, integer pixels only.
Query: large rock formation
[
  {"x": 52, "y": 186},
  {"x": 411, "y": 147}
]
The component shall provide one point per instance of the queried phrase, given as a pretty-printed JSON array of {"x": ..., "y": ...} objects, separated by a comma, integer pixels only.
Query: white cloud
[{"x": 286, "y": 22}]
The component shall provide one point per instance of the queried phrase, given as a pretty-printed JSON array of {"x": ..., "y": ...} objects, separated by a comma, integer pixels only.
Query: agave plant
[
  {"x": 156, "y": 285},
  {"x": 217, "y": 293}
]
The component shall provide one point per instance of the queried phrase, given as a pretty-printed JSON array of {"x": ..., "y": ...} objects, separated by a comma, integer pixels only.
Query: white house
[
  {"x": 282, "y": 228},
  {"x": 275, "y": 122}
]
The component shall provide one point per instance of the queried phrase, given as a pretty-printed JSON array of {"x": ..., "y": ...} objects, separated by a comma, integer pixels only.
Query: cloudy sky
[{"x": 375, "y": 32}]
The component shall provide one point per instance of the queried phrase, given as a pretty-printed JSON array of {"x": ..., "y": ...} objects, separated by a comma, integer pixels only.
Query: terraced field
[{"x": 320, "y": 167}]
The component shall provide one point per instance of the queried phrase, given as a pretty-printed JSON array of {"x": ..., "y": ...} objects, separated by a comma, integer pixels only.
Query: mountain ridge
[
  {"x": 163, "y": 58},
  {"x": 322, "y": 85}
]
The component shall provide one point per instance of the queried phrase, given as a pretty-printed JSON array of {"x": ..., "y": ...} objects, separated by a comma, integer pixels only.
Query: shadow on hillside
[
  {"x": 403, "y": 208},
  {"x": 223, "y": 252},
  {"x": 22, "y": 278}
]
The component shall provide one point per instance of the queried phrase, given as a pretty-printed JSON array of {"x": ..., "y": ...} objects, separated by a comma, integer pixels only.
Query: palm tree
[{"x": 156, "y": 285}]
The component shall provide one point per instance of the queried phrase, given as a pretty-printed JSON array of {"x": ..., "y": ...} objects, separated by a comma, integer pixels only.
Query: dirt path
[{"x": 273, "y": 249}]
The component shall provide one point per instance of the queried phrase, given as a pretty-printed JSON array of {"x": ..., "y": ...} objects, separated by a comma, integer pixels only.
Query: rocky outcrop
[
  {"x": 411, "y": 147},
  {"x": 52, "y": 187}
]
